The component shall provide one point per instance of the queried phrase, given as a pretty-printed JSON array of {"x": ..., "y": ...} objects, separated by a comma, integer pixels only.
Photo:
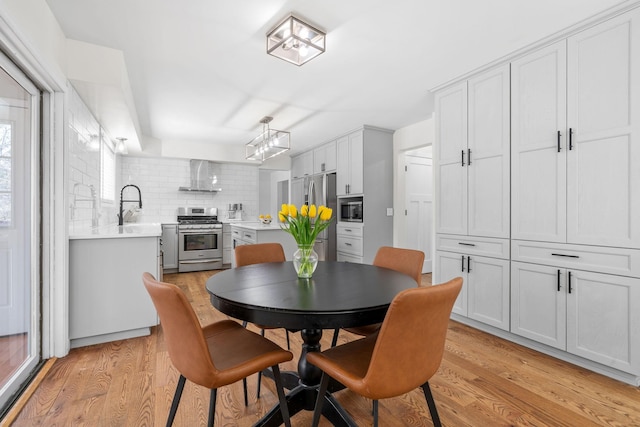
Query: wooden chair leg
[
  {"x": 432, "y": 405},
  {"x": 212, "y": 406},
  {"x": 317, "y": 411},
  {"x": 281, "y": 397},
  {"x": 176, "y": 400},
  {"x": 288, "y": 345},
  {"x": 334, "y": 341}
]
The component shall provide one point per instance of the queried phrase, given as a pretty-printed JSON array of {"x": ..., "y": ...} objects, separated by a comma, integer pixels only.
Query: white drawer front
[
  {"x": 348, "y": 258},
  {"x": 350, "y": 245},
  {"x": 496, "y": 248},
  {"x": 620, "y": 261},
  {"x": 349, "y": 230}
]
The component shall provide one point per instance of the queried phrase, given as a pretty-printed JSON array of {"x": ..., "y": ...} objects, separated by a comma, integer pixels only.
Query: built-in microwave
[{"x": 351, "y": 209}]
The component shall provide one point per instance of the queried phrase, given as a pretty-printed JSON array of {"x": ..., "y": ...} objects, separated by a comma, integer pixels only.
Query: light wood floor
[{"x": 483, "y": 381}]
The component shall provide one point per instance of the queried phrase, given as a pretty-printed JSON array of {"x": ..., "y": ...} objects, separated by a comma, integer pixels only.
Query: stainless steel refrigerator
[{"x": 321, "y": 190}]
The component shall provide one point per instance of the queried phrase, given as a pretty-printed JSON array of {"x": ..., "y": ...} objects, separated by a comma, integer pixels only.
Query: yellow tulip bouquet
[{"x": 305, "y": 226}]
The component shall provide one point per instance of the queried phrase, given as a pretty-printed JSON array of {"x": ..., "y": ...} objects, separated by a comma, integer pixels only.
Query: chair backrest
[
  {"x": 259, "y": 253},
  {"x": 183, "y": 334},
  {"x": 407, "y": 261},
  {"x": 410, "y": 344}
]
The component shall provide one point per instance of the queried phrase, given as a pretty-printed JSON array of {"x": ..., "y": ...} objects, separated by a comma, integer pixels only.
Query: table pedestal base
[{"x": 304, "y": 388}]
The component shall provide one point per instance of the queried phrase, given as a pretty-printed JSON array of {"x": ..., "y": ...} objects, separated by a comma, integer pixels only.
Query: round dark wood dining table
[{"x": 339, "y": 295}]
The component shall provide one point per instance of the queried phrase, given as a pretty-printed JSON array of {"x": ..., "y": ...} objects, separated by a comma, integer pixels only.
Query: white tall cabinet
[
  {"x": 573, "y": 228},
  {"x": 472, "y": 197}
]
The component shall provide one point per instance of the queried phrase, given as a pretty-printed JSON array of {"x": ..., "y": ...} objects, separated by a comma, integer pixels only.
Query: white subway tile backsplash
[{"x": 159, "y": 179}]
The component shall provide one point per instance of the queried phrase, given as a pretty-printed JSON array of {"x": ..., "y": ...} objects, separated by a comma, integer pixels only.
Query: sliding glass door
[{"x": 19, "y": 233}]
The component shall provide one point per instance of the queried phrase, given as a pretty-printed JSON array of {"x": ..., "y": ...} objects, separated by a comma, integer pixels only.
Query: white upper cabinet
[
  {"x": 472, "y": 177},
  {"x": 538, "y": 155},
  {"x": 350, "y": 164},
  {"x": 324, "y": 158},
  {"x": 451, "y": 174},
  {"x": 603, "y": 180},
  {"x": 488, "y": 154},
  {"x": 302, "y": 165},
  {"x": 575, "y": 130}
]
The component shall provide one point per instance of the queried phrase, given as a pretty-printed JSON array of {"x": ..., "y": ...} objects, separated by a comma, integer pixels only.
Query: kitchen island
[
  {"x": 107, "y": 300},
  {"x": 246, "y": 233}
]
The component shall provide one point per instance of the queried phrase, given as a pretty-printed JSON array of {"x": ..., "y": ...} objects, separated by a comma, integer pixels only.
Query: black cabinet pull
[
  {"x": 569, "y": 281},
  {"x": 469, "y": 156},
  {"x": 463, "y": 263},
  {"x": 468, "y": 264},
  {"x": 559, "y": 135},
  {"x": 570, "y": 139},
  {"x": 462, "y": 157},
  {"x": 466, "y": 244},
  {"x": 566, "y": 256},
  {"x": 558, "y": 280}
]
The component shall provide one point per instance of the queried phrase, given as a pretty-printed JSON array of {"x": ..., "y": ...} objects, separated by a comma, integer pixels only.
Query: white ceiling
[{"x": 199, "y": 72}]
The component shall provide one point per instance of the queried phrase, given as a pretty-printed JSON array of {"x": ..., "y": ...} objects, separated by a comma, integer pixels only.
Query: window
[
  {"x": 107, "y": 169},
  {"x": 5, "y": 174}
]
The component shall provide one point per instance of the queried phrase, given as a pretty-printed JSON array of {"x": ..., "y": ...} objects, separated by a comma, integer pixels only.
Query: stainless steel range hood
[{"x": 205, "y": 176}]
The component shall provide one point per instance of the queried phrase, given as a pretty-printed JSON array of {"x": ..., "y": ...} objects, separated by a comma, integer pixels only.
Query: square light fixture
[
  {"x": 295, "y": 41},
  {"x": 269, "y": 143}
]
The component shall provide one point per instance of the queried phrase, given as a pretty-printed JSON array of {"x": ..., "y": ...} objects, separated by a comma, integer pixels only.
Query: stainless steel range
[{"x": 199, "y": 239}]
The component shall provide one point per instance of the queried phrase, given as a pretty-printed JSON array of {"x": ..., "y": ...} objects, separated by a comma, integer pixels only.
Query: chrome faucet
[
  {"x": 139, "y": 201},
  {"x": 95, "y": 214}
]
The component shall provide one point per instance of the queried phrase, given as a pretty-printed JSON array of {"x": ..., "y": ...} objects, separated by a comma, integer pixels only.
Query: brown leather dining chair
[
  {"x": 212, "y": 356},
  {"x": 403, "y": 355},
  {"x": 257, "y": 254},
  {"x": 407, "y": 261}
]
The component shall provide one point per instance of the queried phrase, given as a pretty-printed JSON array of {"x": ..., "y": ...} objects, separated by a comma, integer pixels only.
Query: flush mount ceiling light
[
  {"x": 269, "y": 143},
  {"x": 295, "y": 41}
]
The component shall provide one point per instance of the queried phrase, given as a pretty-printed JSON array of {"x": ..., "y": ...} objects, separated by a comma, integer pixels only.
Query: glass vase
[{"x": 305, "y": 261}]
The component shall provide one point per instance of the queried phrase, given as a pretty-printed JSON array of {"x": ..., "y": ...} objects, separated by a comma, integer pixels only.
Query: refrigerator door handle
[
  {"x": 324, "y": 190},
  {"x": 311, "y": 199}
]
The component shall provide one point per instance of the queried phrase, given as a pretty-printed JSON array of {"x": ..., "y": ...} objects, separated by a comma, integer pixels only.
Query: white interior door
[{"x": 419, "y": 202}]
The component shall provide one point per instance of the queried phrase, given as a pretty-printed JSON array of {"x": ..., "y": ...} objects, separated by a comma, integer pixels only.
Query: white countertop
[
  {"x": 118, "y": 231},
  {"x": 258, "y": 226}
]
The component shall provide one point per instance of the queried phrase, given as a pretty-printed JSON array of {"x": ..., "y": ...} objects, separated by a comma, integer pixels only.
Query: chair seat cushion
[
  {"x": 347, "y": 363},
  {"x": 238, "y": 352}
]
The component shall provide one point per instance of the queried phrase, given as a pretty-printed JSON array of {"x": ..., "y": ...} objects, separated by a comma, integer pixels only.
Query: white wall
[{"x": 410, "y": 137}]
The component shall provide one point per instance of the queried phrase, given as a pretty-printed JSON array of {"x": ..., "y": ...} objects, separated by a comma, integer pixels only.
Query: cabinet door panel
[
  {"x": 452, "y": 199},
  {"x": 603, "y": 180},
  {"x": 451, "y": 123},
  {"x": 538, "y": 159},
  {"x": 356, "y": 163},
  {"x": 488, "y": 154},
  {"x": 603, "y": 318},
  {"x": 451, "y": 174},
  {"x": 342, "y": 165},
  {"x": 538, "y": 308},
  {"x": 488, "y": 291},
  {"x": 449, "y": 266}
]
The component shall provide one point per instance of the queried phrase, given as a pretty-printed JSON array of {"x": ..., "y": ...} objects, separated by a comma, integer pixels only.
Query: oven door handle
[
  {"x": 200, "y": 261},
  {"x": 216, "y": 231}
]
